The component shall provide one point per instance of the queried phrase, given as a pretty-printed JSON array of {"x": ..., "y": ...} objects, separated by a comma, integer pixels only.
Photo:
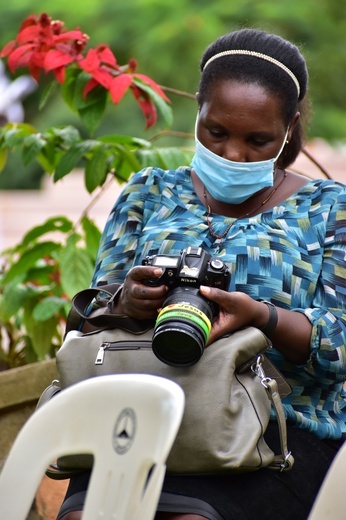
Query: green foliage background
[{"x": 167, "y": 39}]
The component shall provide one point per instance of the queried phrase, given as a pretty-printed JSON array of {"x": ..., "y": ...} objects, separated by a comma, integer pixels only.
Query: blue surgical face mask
[{"x": 230, "y": 181}]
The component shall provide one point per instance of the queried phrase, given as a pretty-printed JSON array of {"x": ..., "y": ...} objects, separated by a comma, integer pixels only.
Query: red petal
[
  {"x": 32, "y": 19},
  {"x": 28, "y": 34},
  {"x": 153, "y": 85},
  {"x": 89, "y": 87},
  {"x": 147, "y": 106},
  {"x": 8, "y": 48},
  {"x": 55, "y": 59},
  {"x": 35, "y": 71},
  {"x": 106, "y": 55},
  {"x": 59, "y": 73},
  {"x": 90, "y": 62},
  {"x": 20, "y": 57},
  {"x": 92, "y": 65},
  {"x": 103, "y": 78},
  {"x": 119, "y": 86},
  {"x": 37, "y": 59},
  {"x": 44, "y": 20},
  {"x": 70, "y": 35},
  {"x": 132, "y": 64}
]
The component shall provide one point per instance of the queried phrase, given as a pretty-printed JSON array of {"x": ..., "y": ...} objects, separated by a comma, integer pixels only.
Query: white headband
[{"x": 257, "y": 55}]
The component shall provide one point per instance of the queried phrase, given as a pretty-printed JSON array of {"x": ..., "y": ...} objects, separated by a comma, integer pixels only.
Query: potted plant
[{"x": 54, "y": 260}]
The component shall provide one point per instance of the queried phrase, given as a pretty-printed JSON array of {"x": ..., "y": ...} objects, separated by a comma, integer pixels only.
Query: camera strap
[{"x": 94, "y": 306}]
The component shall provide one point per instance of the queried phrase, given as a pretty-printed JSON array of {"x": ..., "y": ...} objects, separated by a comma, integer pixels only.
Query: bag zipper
[{"x": 120, "y": 345}]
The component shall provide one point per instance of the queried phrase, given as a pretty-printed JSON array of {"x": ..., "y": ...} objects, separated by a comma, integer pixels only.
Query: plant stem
[{"x": 178, "y": 92}]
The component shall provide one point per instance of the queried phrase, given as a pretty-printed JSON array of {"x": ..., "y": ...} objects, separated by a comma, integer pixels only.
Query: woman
[{"x": 281, "y": 235}]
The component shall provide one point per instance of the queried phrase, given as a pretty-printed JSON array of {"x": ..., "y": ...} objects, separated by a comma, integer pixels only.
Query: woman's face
[{"x": 241, "y": 122}]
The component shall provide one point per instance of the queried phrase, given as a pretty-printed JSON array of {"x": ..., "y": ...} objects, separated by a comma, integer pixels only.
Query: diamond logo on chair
[{"x": 124, "y": 431}]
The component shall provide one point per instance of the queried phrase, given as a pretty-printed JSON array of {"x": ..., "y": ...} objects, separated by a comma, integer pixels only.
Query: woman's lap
[{"x": 264, "y": 493}]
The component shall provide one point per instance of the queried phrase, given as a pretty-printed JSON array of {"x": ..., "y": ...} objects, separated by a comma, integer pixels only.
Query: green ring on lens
[
  {"x": 187, "y": 308},
  {"x": 185, "y": 315}
]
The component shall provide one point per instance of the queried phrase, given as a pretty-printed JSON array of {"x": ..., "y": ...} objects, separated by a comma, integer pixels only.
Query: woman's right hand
[{"x": 139, "y": 300}]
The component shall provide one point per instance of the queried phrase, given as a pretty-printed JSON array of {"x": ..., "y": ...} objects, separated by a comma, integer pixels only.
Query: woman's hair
[{"x": 274, "y": 79}]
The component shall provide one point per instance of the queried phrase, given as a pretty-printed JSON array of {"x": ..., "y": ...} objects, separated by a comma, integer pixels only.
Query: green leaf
[
  {"x": 68, "y": 162},
  {"x": 92, "y": 113},
  {"x": 130, "y": 142},
  {"x": 128, "y": 156},
  {"x": 3, "y": 158},
  {"x": 166, "y": 158},
  {"x": 122, "y": 170},
  {"x": 15, "y": 134},
  {"x": 172, "y": 158},
  {"x": 92, "y": 237},
  {"x": 37, "y": 291},
  {"x": 54, "y": 224},
  {"x": 11, "y": 300},
  {"x": 162, "y": 106},
  {"x": 68, "y": 88},
  {"x": 47, "y": 162},
  {"x": 43, "y": 274},
  {"x": 47, "y": 308},
  {"x": 72, "y": 157},
  {"x": 148, "y": 158},
  {"x": 92, "y": 107},
  {"x": 76, "y": 269},
  {"x": 68, "y": 134},
  {"x": 32, "y": 145},
  {"x": 96, "y": 169},
  {"x": 29, "y": 259},
  {"x": 41, "y": 333},
  {"x": 47, "y": 93}
]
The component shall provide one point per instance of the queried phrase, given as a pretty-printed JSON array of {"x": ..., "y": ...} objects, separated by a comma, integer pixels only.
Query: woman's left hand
[
  {"x": 291, "y": 336},
  {"x": 237, "y": 310}
]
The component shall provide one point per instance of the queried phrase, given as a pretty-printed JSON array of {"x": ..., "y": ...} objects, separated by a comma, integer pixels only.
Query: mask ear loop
[
  {"x": 285, "y": 141},
  {"x": 196, "y": 124}
]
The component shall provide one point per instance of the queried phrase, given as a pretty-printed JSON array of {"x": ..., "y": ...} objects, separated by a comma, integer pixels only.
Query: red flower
[
  {"x": 67, "y": 49},
  {"x": 101, "y": 64},
  {"x": 42, "y": 44},
  {"x": 123, "y": 82}
]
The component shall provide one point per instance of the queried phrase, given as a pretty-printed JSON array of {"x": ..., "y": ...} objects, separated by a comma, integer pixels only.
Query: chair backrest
[
  {"x": 330, "y": 503},
  {"x": 127, "y": 422}
]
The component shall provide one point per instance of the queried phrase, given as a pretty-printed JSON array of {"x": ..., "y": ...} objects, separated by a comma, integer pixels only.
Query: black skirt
[{"x": 264, "y": 494}]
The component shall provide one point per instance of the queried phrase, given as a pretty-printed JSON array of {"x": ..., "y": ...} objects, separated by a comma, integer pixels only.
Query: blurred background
[{"x": 167, "y": 38}]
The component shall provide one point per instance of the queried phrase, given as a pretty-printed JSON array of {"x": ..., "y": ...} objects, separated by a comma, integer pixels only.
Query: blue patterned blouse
[{"x": 293, "y": 255}]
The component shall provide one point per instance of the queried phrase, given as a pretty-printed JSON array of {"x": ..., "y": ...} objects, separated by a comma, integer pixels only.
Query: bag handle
[
  {"x": 105, "y": 295},
  {"x": 285, "y": 460}
]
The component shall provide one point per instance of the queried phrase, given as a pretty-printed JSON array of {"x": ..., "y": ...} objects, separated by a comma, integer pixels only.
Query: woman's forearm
[{"x": 292, "y": 335}]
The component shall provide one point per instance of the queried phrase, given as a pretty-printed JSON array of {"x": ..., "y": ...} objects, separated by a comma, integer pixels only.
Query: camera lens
[{"x": 182, "y": 327}]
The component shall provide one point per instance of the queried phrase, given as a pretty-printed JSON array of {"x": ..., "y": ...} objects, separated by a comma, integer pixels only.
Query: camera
[{"x": 183, "y": 325}]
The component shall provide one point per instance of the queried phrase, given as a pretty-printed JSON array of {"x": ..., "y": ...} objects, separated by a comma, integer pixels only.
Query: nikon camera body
[{"x": 183, "y": 325}]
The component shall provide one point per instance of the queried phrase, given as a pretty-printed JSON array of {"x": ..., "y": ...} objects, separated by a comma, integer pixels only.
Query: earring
[{"x": 287, "y": 141}]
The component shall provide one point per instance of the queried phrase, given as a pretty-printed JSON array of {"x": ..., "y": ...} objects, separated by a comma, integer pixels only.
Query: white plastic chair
[
  {"x": 330, "y": 503},
  {"x": 127, "y": 422}
]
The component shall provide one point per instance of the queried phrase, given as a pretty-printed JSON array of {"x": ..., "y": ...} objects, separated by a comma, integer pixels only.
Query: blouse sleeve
[
  {"x": 120, "y": 236},
  {"x": 328, "y": 311}
]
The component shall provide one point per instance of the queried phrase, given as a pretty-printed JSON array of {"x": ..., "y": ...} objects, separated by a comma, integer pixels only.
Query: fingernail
[{"x": 205, "y": 289}]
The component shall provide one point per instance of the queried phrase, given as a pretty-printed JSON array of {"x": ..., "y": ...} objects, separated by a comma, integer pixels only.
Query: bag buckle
[
  {"x": 257, "y": 368},
  {"x": 287, "y": 462}
]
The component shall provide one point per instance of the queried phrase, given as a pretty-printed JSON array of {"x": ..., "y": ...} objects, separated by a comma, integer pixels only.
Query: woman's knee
[
  {"x": 74, "y": 515},
  {"x": 77, "y": 515},
  {"x": 178, "y": 516}
]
